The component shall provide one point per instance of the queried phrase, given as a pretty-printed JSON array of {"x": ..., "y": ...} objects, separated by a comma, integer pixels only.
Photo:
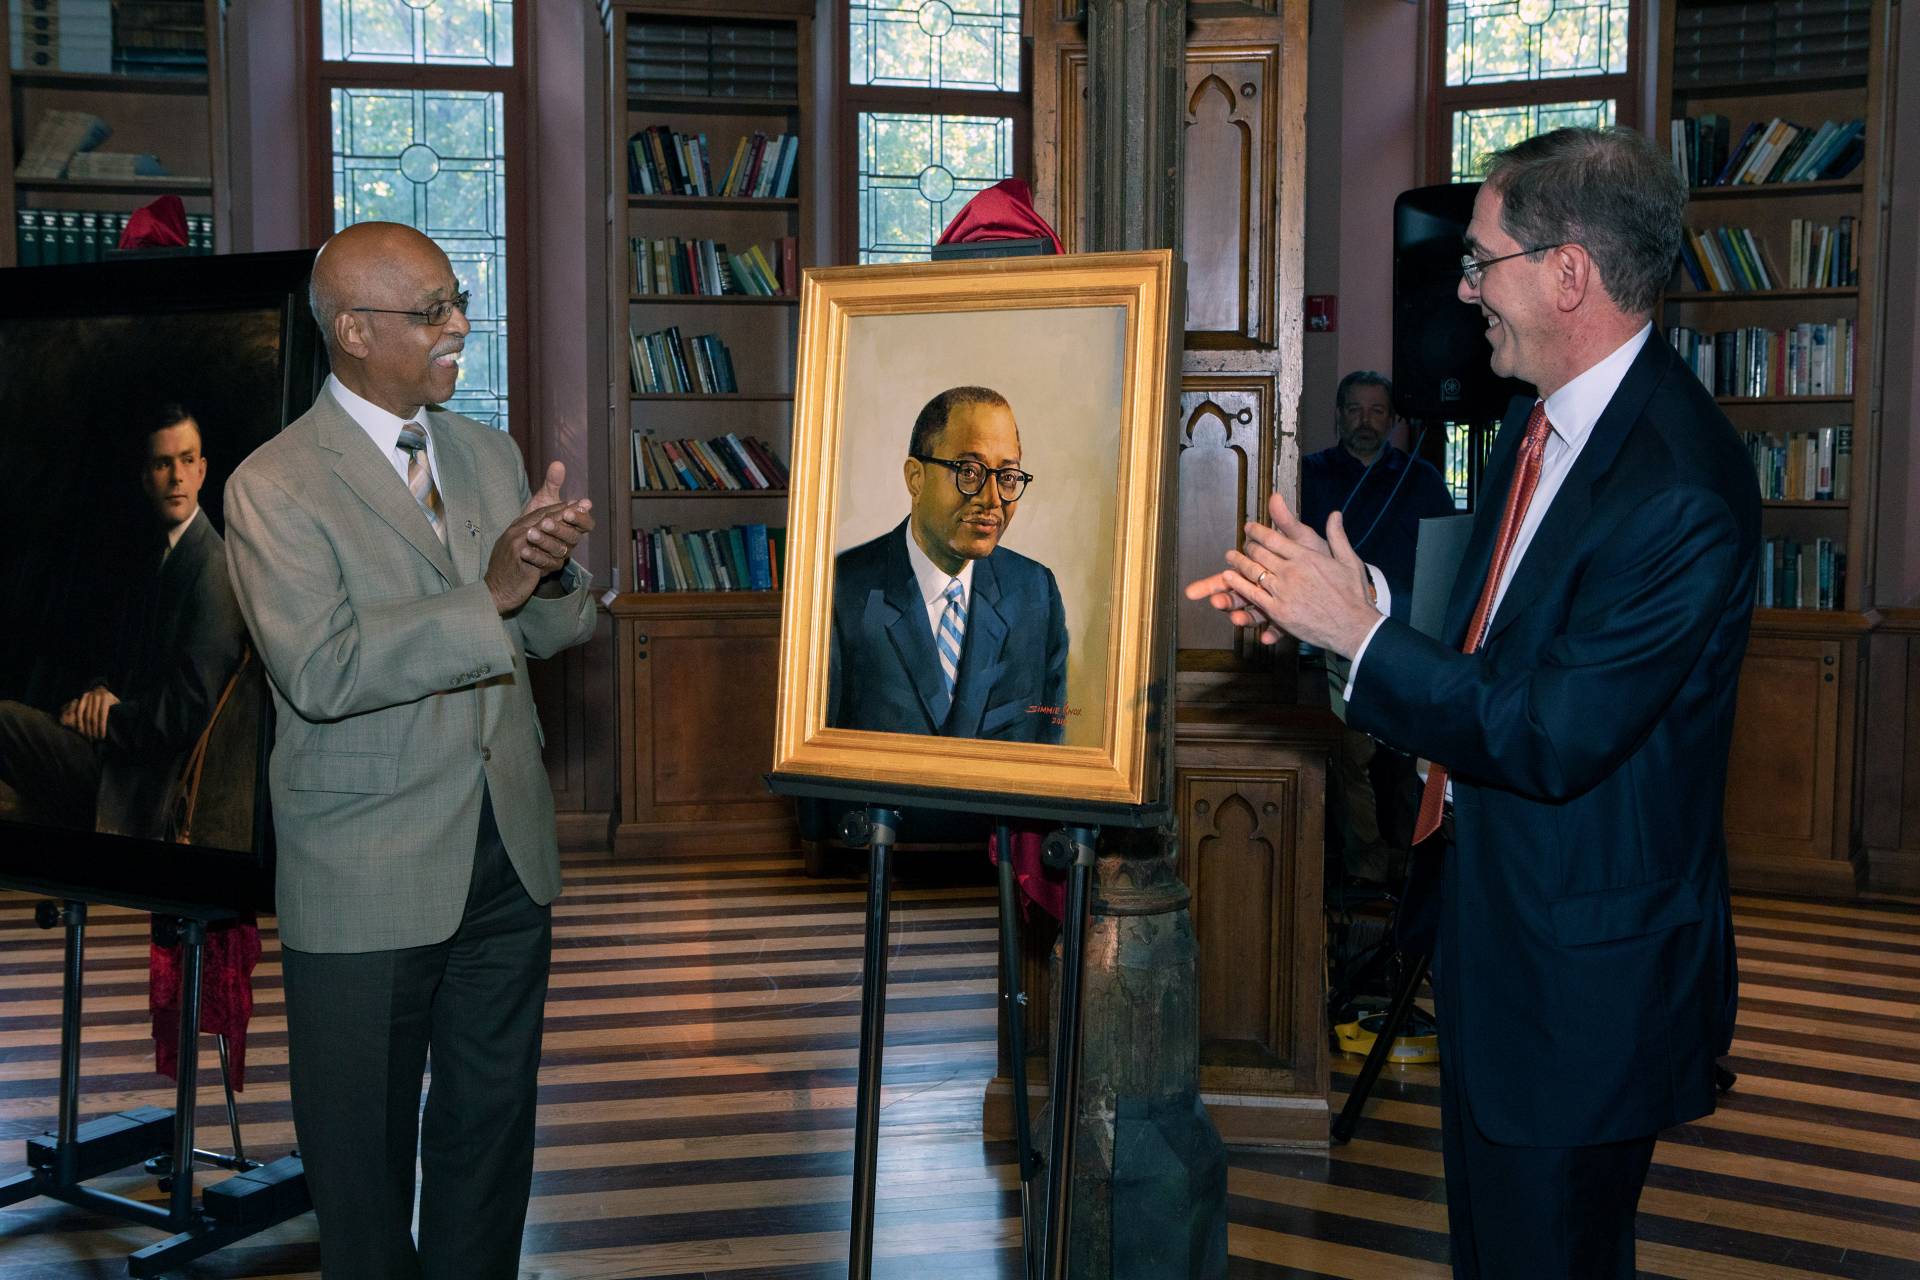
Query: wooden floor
[{"x": 697, "y": 1100}]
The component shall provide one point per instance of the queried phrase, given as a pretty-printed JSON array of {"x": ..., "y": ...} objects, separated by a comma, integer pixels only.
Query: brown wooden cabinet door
[{"x": 1785, "y": 760}]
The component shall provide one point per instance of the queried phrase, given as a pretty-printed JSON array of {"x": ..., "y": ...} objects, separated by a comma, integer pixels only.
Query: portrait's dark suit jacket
[
  {"x": 180, "y": 642},
  {"x": 884, "y": 674},
  {"x": 1585, "y": 936}
]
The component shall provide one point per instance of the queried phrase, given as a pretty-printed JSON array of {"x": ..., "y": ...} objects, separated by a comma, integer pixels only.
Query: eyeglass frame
[
  {"x": 954, "y": 465},
  {"x": 1473, "y": 270},
  {"x": 458, "y": 302}
]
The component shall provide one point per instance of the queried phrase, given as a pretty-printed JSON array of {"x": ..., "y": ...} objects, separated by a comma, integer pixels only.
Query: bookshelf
[
  {"x": 712, "y": 174},
  {"x": 153, "y": 71},
  {"x": 1792, "y": 807}
]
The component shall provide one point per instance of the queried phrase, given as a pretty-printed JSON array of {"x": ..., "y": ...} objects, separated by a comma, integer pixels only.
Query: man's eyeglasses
[
  {"x": 971, "y": 477},
  {"x": 1473, "y": 268},
  {"x": 435, "y": 314}
]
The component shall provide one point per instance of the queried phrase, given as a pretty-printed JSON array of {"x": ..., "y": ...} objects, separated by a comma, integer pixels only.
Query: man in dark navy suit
[
  {"x": 1578, "y": 712},
  {"x": 937, "y": 628}
]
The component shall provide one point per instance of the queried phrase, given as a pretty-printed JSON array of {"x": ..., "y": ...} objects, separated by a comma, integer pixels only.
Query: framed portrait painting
[{"x": 979, "y": 527}]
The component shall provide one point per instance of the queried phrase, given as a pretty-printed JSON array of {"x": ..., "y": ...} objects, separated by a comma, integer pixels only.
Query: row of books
[
  {"x": 661, "y": 161},
  {"x": 731, "y": 461},
  {"x": 160, "y": 37},
  {"x": 1801, "y": 575},
  {"x": 1821, "y": 256},
  {"x": 713, "y": 59},
  {"x": 706, "y": 268},
  {"x": 100, "y": 37},
  {"x": 745, "y": 557},
  {"x": 664, "y": 363},
  {"x": 1803, "y": 466},
  {"x": 1725, "y": 43},
  {"x": 1806, "y": 360},
  {"x": 46, "y": 237},
  {"x": 1778, "y": 150},
  {"x": 1725, "y": 259}
]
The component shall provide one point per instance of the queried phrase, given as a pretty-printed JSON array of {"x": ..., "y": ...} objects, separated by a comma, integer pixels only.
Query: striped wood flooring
[{"x": 697, "y": 1100}]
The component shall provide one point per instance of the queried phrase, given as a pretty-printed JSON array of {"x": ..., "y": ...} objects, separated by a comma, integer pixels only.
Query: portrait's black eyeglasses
[
  {"x": 971, "y": 477},
  {"x": 435, "y": 314},
  {"x": 1473, "y": 268}
]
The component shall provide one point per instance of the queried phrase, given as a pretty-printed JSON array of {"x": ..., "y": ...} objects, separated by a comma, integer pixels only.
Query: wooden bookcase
[
  {"x": 696, "y": 669},
  {"x": 179, "y": 118},
  {"x": 1792, "y": 811}
]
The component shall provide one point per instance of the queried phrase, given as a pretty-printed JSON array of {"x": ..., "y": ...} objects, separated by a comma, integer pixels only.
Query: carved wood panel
[
  {"x": 1226, "y": 461},
  {"x": 1232, "y": 124},
  {"x": 1237, "y": 856}
]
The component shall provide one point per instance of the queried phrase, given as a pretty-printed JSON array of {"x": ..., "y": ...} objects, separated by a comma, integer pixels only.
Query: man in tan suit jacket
[{"x": 396, "y": 575}]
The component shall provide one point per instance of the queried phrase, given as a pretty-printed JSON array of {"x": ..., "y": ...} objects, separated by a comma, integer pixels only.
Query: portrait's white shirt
[
  {"x": 933, "y": 582},
  {"x": 179, "y": 531},
  {"x": 1572, "y": 412},
  {"x": 384, "y": 429}
]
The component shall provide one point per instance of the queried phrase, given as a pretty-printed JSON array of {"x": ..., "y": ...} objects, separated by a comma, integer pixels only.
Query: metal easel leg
[
  {"x": 1014, "y": 1007},
  {"x": 193, "y": 941},
  {"x": 1349, "y": 1117},
  {"x": 1065, "y": 1097},
  {"x": 879, "y": 826}
]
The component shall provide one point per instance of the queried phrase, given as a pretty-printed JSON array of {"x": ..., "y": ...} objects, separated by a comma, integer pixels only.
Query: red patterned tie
[{"x": 1526, "y": 476}]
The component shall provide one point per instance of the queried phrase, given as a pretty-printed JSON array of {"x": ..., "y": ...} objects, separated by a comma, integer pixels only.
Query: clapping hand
[{"x": 1289, "y": 579}]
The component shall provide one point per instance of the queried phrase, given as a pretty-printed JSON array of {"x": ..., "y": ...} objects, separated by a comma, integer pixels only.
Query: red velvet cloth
[
  {"x": 160, "y": 225},
  {"x": 1004, "y": 211},
  {"x": 1039, "y": 884},
  {"x": 226, "y": 995}
]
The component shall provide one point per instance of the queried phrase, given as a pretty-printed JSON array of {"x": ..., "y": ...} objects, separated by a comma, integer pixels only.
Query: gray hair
[{"x": 1611, "y": 191}]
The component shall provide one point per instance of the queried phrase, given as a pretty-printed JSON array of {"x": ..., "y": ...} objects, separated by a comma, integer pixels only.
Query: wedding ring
[{"x": 1261, "y": 581}]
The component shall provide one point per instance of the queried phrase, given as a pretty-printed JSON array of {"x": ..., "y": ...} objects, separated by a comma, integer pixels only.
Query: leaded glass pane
[
  {"x": 935, "y": 44},
  {"x": 1494, "y": 40},
  {"x": 918, "y": 171},
  {"x": 461, "y": 33},
  {"x": 435, "y": 159},
  {"x": 1481, "y": 131}
]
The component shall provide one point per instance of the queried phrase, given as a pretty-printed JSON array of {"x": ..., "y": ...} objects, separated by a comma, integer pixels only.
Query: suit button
[
  {"x": 485, "y": 669},
  {"x": 486, "y": 753}
]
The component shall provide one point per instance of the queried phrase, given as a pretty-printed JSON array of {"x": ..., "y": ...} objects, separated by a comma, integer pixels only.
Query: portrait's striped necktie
[
  {"x": 952, "y": 633},
  {"x": 413, "y": 443}
]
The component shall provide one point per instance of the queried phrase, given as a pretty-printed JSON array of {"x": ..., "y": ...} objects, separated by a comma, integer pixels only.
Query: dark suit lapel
[
  {"x": 372, "y": 478},
  {"x": 1489, "y": 503},
  {"x": 912, "y": 638},
  {"x": 980, "y": 655},
  {"x": 1560, "y": 530}
]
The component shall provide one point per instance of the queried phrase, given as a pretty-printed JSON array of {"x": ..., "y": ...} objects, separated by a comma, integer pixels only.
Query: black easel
[
  {"x": 255, "y": 1198},
  {"x": 1349, "y": 1117}
]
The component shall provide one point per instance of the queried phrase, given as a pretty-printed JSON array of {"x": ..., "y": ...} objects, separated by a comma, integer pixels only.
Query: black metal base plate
[{"x": 109, "y": 1143}]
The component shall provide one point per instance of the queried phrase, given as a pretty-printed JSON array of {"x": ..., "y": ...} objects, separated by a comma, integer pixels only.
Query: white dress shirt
[
  {"x": 933, "y": 582},
  {"x": 178, "y": 532},
  {"x": 1571, "y": 412},
  {"x": 383, "y": 428}
]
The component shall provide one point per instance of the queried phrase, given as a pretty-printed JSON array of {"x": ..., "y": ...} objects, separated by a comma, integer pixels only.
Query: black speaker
[{"x": 1440, "y": 351}]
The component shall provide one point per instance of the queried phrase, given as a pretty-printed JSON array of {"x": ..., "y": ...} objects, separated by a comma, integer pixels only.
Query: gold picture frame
[{"x": 1085, "y": 348}]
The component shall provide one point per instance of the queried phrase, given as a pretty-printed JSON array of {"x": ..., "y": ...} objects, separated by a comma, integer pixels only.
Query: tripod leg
[
  {"x": 1066, "y": 1058},
  {"x": 873, "y": 1017},
  {"x": 1014, "y": 1004},
  {"x": 75, "y": 916},
  {"x": 1349, "y": 1117},
  {"x": 193, "y": 938},
  {"x": 240, "y": 1160}
]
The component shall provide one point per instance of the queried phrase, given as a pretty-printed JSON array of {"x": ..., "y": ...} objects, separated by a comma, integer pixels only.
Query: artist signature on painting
[{"x": 1056, "y": 715}]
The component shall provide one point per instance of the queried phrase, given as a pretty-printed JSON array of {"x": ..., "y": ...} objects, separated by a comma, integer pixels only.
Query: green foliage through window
[
  {"x": 424, "y": 32},
  {"x": 1478, "y": 132},
  {"x": 1495, "y": 40},
  {"x": 917, "y": 171},
  {"x": 435, "y": 159},
  {"x": 935, "y": 44}
]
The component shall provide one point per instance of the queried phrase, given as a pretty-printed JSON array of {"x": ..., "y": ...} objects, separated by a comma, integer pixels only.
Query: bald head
[{"x": 365, "y": 277}]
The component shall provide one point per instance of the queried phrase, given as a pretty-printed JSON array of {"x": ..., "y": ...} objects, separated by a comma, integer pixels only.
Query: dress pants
[
  {"x": 54, "y": 770},
  {"x": 1534, "y": 1213},
  {"x": 360, "y": 1027}
]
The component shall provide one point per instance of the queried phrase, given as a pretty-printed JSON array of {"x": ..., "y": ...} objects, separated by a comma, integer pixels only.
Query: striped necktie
[
  {"x": 952, "y": 633},
  {"x": 1526, "y": 476},
  {"x": 413, "y": 443}
]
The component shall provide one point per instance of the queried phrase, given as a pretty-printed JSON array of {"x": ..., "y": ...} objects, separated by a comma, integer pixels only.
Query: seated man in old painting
[
  {"x": 107, "y": 758},
  {"x": 937, "y": 628}
]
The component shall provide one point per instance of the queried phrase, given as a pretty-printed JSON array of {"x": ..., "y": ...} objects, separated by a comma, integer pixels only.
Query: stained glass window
[
  {"x": 435, "y": 159},
  {"x": 1478, "y": 132},
  {"x": 426, "y": 32},
  {"x": 935, "y": 44},
  {"x": 1494, "y": 40},
  {"x": 917, "y": 171}
]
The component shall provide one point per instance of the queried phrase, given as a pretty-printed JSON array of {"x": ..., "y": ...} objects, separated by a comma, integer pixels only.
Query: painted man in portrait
[{"x": 937, "y": 628}]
